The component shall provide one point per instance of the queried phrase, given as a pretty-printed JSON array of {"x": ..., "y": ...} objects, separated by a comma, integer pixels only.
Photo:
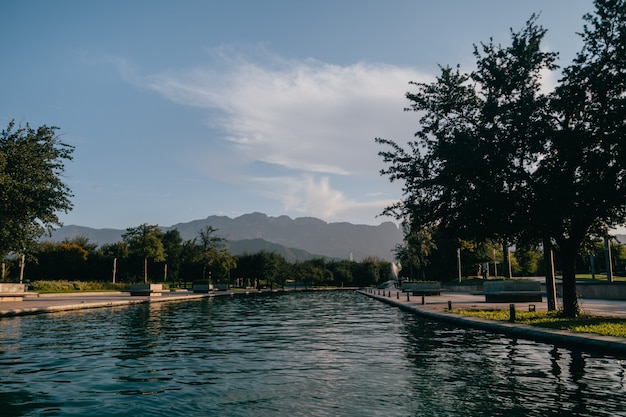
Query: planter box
[
  {"x": 512, "y": 291},
  {"x": 12, "y": 292},
  {"x": 422, "y": 288},
  {"x": 146, "y": 290}
]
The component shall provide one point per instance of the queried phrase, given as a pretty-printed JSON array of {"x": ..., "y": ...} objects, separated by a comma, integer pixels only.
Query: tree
[
  {"x": 210, "y": 248},
  {"x": 527, "y": 260},
  {"x": 172, "y": 245},
  {"x": 552, "y": 168},
  {"x": 481, "y": 135},
  {"x": 368, "y": 272},
  {"x": 31, "y": 186},
  {"x": 342, "y": 272},
  {"x": 111, "y": 258},
  {"x": 269, "y": 266},
  {"x": 414, "y": 252},
  {"x": 619, "y": 255},
  {"x": 64, "y": 260},
  {"x": 145, "y": 242},
  {"x": 581, "y": 182}
]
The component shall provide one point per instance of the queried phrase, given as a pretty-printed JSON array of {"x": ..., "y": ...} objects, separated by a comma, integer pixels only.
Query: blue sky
[{"x": 184, "y": 109}]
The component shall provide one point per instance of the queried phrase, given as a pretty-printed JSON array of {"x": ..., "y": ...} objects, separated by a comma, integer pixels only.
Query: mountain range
[{"x": 295, "y": 239}]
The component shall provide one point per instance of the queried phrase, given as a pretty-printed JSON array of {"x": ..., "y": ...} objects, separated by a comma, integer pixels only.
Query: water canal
[{"x": 300, "y": 354}]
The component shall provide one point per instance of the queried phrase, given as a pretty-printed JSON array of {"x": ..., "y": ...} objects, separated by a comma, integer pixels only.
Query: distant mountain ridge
[{"x": 297, "y": 238}]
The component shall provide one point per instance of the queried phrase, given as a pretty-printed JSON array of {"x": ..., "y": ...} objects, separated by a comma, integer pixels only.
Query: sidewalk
[
  {"x": 50, "y": 303},
  {"x": 436, "y": 308},
  {"x": 614, "y": 308}
]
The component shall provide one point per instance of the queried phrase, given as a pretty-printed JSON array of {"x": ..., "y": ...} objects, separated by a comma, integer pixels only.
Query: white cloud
[
  {"x": 309, "y": 195},
  {"x": 311, "y": 119}
]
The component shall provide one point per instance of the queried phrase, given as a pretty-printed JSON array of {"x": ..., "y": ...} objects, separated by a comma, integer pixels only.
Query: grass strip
[
  {"x": 601, "y": 325},
  {"x": 62, "y": 286}
]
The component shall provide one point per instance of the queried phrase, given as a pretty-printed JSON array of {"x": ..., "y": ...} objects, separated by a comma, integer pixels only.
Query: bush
[{"x": 60, "y": 286}]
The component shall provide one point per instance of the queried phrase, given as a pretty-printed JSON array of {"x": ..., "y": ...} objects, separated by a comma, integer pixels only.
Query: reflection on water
[
  {"x": 303, "y": 354},
  {"x": 485, "y": 374}
]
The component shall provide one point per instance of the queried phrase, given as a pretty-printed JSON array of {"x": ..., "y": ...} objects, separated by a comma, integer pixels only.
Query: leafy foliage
[
  {"x": 31, "y": 187},
  {"x": 496, "y": 158},
  {"x": 145, "y": 242}
]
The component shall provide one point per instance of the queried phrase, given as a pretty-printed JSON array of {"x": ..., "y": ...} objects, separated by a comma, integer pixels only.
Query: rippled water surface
[{"x": 300, "y": 354}]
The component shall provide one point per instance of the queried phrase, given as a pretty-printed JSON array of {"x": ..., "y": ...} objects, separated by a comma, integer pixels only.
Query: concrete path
[
  {"x": 436, "y": 308},
  {"x": 615, "y": 308},
  {"x": 50, "y": 303}
]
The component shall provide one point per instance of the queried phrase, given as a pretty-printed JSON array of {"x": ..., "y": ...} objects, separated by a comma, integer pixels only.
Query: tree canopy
[
  {"x": 495, "y": 157},
  {"x": 145, "y": 241},
  {"x": 32, "y": 190}
]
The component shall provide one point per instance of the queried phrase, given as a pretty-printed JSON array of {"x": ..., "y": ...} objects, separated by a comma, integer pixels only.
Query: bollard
[
  {"x": 449, "y": 305},
  {"x": 423, "y": 300},
  {"x": 397, "y": 295},
  {"x": 512, "y": 313},
  {"x": 407, "y": 297}
]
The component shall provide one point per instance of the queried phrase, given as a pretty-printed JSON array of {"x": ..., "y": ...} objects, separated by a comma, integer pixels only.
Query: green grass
[
  {"x": 605, "y": 326},
  {"x": 62, "y": 286},
  {"x": 598, "y": 277}
]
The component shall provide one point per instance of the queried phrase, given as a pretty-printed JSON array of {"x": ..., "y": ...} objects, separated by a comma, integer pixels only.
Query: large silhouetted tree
[
  {"x": 495, "y": 158},
  {"x": 581, "y": 182}
]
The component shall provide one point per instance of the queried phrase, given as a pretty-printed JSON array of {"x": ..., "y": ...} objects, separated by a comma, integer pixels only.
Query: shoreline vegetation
[
  {"x": 64, "y": 286},
  {"x": 76, "y": 287}
]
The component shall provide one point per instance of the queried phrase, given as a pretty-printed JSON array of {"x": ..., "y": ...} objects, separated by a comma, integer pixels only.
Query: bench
[
  {"x": 12, "y": 292},
  {"x": 146, "y": 290},
  {"x": 201, "y": 288},
  {"x": 422, "y": 288},
  {"x": 512, "y": 291}
]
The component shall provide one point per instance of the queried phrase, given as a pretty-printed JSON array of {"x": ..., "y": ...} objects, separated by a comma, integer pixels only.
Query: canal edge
[{"x": 562, "y": 338}]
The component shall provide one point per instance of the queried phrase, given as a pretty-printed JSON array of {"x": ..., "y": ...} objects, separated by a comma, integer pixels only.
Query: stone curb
[{"x": 564, "y": 338}]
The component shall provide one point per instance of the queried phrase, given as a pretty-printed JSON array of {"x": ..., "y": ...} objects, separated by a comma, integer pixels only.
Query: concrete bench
[
  {"x": 512, "y": 291},
  {"x": 422, "y": 288},
  {"x": 201, "y": 288},
  {"x": 12, "y": 292},
  {"x": 146, "y": 290}
]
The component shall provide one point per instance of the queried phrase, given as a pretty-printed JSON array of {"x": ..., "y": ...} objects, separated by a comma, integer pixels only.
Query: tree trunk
[
  {"x": 458, "y": 262},
  {"x": 145, "y": 270},
  {"x": 548, "y": 260},
  {"x": 22, "y": 265},
  {"x": 608, "y": 259},
  {"x": 506, "y": 259},
  {"x": 570, "y": 296}
]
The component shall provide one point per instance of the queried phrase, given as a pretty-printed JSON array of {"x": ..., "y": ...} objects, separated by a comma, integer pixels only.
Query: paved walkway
[
  {"x": 615, "y": 308},
  {"x": 50, "y": 303},
  {"x": 436, "y": 308}
]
